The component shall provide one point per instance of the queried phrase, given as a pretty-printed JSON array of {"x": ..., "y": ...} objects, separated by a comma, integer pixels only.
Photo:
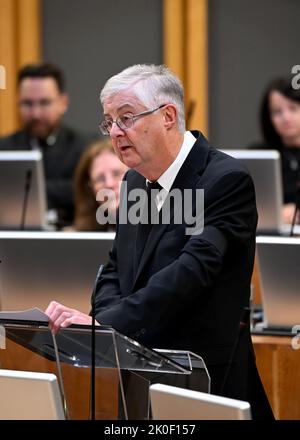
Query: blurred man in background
[{"x": 42, "y": 104}]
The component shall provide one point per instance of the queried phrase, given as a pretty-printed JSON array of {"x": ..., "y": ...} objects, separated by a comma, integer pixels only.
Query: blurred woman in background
[
  {"x": 280, "y": 125},
  {"x": 99, "y": 168}
]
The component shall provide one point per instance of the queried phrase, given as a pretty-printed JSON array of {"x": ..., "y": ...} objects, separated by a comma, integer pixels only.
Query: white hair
[{"x": 153, "y": 85}]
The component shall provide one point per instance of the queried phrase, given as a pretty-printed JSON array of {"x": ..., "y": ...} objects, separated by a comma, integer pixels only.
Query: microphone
[
  {"x": 297, "y": 204},
  {"x": 93, "y": 345},
  {"x": 244, "y": 321},
  {"x": 25, "y": 200}
]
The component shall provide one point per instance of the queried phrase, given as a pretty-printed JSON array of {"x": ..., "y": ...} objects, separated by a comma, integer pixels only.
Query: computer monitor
[
  {"x": 27, "y": 395},
  {"x": 38, "y": 267},
  {"x": 265, "y": 169},
  {"x": 19, "y": 169},
  {"x": 173, "y": 403},
  {"x": 278, "y": 265}
]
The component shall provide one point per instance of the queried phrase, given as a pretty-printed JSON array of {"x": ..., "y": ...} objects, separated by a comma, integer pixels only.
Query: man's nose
[
  {"x": 116, "y": 130},
  {"x": 36, "y": 111}
]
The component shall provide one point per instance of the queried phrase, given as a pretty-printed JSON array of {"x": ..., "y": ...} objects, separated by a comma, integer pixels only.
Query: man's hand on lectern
[{"x": 62, "y": 316}]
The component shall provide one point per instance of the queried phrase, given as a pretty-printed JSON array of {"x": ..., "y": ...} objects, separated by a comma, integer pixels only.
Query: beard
[{"x": 39, "y": 129}]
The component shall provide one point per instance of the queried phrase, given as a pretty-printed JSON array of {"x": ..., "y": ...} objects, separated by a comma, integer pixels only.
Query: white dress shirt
[{"x": 166, "y": 180}]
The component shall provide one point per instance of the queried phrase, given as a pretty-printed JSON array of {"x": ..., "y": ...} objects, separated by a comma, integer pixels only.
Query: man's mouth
[
  {"x": 37, "y": 127},
  {"x": 123, "y": 148}
]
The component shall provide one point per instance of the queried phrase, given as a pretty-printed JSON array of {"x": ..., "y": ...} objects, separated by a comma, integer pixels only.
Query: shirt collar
[{"x": 166, "y": 180}]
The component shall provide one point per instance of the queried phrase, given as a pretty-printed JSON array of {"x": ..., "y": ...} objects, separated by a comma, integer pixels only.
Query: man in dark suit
[
  {"x": 42, "y": 105},
  {"x": 167, "y": 285}
]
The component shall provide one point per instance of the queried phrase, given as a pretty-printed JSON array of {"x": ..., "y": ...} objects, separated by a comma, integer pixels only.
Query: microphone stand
[
  {"x": 93, "y": 346},
  {"x": 242, "y": 325},
  {"x": 25, "y": 200}
]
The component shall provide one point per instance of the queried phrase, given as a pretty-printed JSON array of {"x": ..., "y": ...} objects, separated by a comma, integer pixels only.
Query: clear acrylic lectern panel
[
  {"x": 124, "y": 368},
  {"x": 16, "y": 353}
]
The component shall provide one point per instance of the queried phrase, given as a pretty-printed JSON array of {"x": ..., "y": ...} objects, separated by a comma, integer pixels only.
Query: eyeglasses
[
  {"x": 43, "y": 104},
  {"x": 125, "y": 121}
]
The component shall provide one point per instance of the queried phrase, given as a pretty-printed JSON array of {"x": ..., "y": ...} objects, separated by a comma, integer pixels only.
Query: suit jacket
[
  {"x": 189, "y": 292},
  {"x": 60, "y": 161}
]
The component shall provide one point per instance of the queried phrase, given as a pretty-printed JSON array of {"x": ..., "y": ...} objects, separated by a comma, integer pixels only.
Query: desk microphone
[
  {"x": 25, "y": 199},
  {"x": 296, "y": 211},
  {"x": 93, "y": 348},
  {"x": 244, "y": 321}
]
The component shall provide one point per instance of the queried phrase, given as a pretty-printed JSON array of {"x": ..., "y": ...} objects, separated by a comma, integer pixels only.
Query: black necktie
[{"x": 149, "y": 216}]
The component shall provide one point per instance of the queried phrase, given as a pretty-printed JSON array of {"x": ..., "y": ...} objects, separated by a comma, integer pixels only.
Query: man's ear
[{"x": 170, "y": 116}]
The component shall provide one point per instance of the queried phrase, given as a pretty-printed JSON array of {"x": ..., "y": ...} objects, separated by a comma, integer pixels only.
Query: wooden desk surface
[{"x": 279, "y": 367}]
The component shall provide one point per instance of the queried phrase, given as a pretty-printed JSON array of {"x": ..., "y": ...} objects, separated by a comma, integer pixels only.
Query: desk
[{"x": 279, "y": 368}]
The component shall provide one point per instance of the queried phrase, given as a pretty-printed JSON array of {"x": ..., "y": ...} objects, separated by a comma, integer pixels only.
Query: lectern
[{"x": 124, "y": 368}]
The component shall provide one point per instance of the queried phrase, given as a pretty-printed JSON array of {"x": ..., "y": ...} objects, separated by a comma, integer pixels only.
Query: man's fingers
[
  {"x": 78, "y": 318},
  {"x": 62, "y": 316},
  {"x": 56, "y": 310},
  {"x": 51, "y": 307}
]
